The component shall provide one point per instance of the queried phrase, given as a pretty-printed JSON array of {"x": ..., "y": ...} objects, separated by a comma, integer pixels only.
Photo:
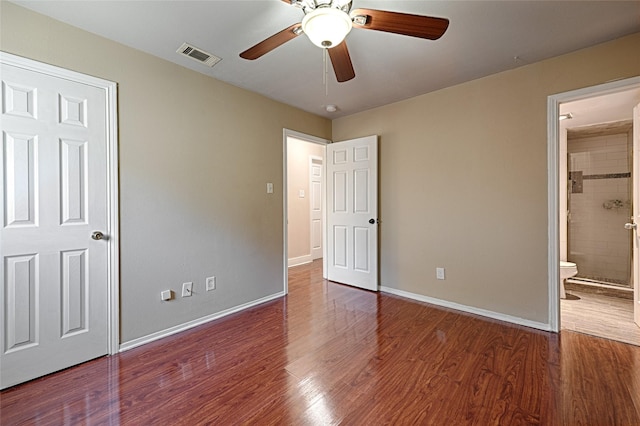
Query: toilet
[{"x": 567, "y": 270}]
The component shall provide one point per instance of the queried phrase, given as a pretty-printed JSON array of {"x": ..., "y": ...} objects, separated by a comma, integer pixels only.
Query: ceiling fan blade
[
  {"x": 341, "y": 62},
  {"x": 267, "y": 45},
  {"x": 400, "y": 23}
]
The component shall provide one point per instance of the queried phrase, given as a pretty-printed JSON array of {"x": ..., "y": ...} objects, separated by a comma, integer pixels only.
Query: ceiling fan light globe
[{"x": 326, "y": 27}]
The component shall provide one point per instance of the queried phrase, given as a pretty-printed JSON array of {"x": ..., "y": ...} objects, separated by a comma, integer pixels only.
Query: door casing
[{"x": 112, "y": 231}]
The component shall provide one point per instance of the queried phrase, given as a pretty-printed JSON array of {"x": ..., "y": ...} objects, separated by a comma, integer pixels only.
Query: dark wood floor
[{"x": 331, "y": 354}]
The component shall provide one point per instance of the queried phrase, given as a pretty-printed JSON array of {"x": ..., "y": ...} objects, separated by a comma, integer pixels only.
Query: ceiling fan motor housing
[{"x": 309, "y": 6}]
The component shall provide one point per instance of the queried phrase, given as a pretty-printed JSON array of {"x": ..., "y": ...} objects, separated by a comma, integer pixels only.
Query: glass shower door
[{"x": 599, "y": 194}]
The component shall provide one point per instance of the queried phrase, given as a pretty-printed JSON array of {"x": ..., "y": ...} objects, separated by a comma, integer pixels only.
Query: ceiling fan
[{"x": 327, "y": 23}]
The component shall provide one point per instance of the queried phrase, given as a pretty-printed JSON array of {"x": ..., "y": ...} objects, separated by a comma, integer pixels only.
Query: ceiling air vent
[{"x": 198, "y": 55}]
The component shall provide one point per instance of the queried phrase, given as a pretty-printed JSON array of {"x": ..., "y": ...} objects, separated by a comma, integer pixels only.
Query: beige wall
[
  {"x": 299, "y": 230},
  {"x": 463, "y": 181},
  {"x": 195, "y": 157}
]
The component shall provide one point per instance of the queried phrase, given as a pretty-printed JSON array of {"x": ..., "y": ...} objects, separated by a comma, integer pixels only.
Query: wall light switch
[
  {"x": 440, "y": 273},
  {"x": 301, "y": 193},
  {"x": 187, "y": 289},
  {"x": 166, "y": 295},
  {"x": 269, "y": 188}
]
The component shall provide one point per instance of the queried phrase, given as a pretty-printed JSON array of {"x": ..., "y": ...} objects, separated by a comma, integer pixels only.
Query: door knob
[
  {"x": 97, "y": 235},
  {"x": 630, "y": 226}
]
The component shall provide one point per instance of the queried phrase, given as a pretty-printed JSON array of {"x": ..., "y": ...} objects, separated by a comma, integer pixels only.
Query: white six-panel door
[
  {"x": 316, "y": 201},
  {"x": 636, "y": 215},
  {"x": 352, "y": 212},
  {"x": 54, "y": 298}
]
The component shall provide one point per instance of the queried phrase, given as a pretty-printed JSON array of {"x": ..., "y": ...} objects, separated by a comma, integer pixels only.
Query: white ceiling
[
  {"x": 601, "y": 109},
  {"x": 484, "y": 37}
]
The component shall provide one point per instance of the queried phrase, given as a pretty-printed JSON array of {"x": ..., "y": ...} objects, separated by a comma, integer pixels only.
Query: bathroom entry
[{"x": 598, "y": 193}]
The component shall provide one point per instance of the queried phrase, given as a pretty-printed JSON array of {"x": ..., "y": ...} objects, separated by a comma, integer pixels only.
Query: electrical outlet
[
  {"x": 187, "y": 289},
  {"x": 440, "y": 273},
  {"x": 211, "y": 283}
]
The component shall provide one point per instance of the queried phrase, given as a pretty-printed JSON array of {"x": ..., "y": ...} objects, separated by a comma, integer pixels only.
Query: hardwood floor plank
[
  {"x": 332, "y": 354},
  {"x": 603, "y": 373}
]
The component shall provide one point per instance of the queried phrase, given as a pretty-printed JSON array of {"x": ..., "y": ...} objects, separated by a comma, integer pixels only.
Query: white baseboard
[
  {"x": 182, "y": 327},
  {"x": 468, "y": 309},
  {"x": 297, "y": 261}
]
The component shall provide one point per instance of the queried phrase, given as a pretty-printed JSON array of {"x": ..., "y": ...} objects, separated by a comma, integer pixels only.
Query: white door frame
[
  {"x": 112, "y": 231},
  {"x": 553, "y": 170},
  {"x": 286, "y": 134}
]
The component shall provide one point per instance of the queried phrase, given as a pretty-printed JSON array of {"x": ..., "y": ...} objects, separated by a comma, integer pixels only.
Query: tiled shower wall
[{"x": 598, "y": 209}]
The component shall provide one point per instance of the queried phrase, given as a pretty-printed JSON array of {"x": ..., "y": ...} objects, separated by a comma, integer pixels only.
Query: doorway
[
  {"x": 350, "y": 247},
  {"x": 591, "y": 128},
  {"x": 304, "y": 222}
]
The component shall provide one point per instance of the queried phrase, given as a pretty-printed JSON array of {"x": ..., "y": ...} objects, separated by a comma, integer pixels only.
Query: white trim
[
  {"x": 187, "y": 325},
  {"x": 467, "y": 309},
  {"x": 553, "y": 146},
  {"x": 113, "y": 229},
  {"x": 553, "y": 220},
  {"x": 286, "y": 134},
  {"x": 300, "y": 260}
]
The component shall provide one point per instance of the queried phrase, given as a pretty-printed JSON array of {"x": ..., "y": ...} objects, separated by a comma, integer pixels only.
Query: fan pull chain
[{"x": 325, "y": 77}]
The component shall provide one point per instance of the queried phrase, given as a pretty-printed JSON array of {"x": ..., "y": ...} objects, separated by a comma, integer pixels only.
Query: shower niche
[{"x": 599, "y": 165}]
